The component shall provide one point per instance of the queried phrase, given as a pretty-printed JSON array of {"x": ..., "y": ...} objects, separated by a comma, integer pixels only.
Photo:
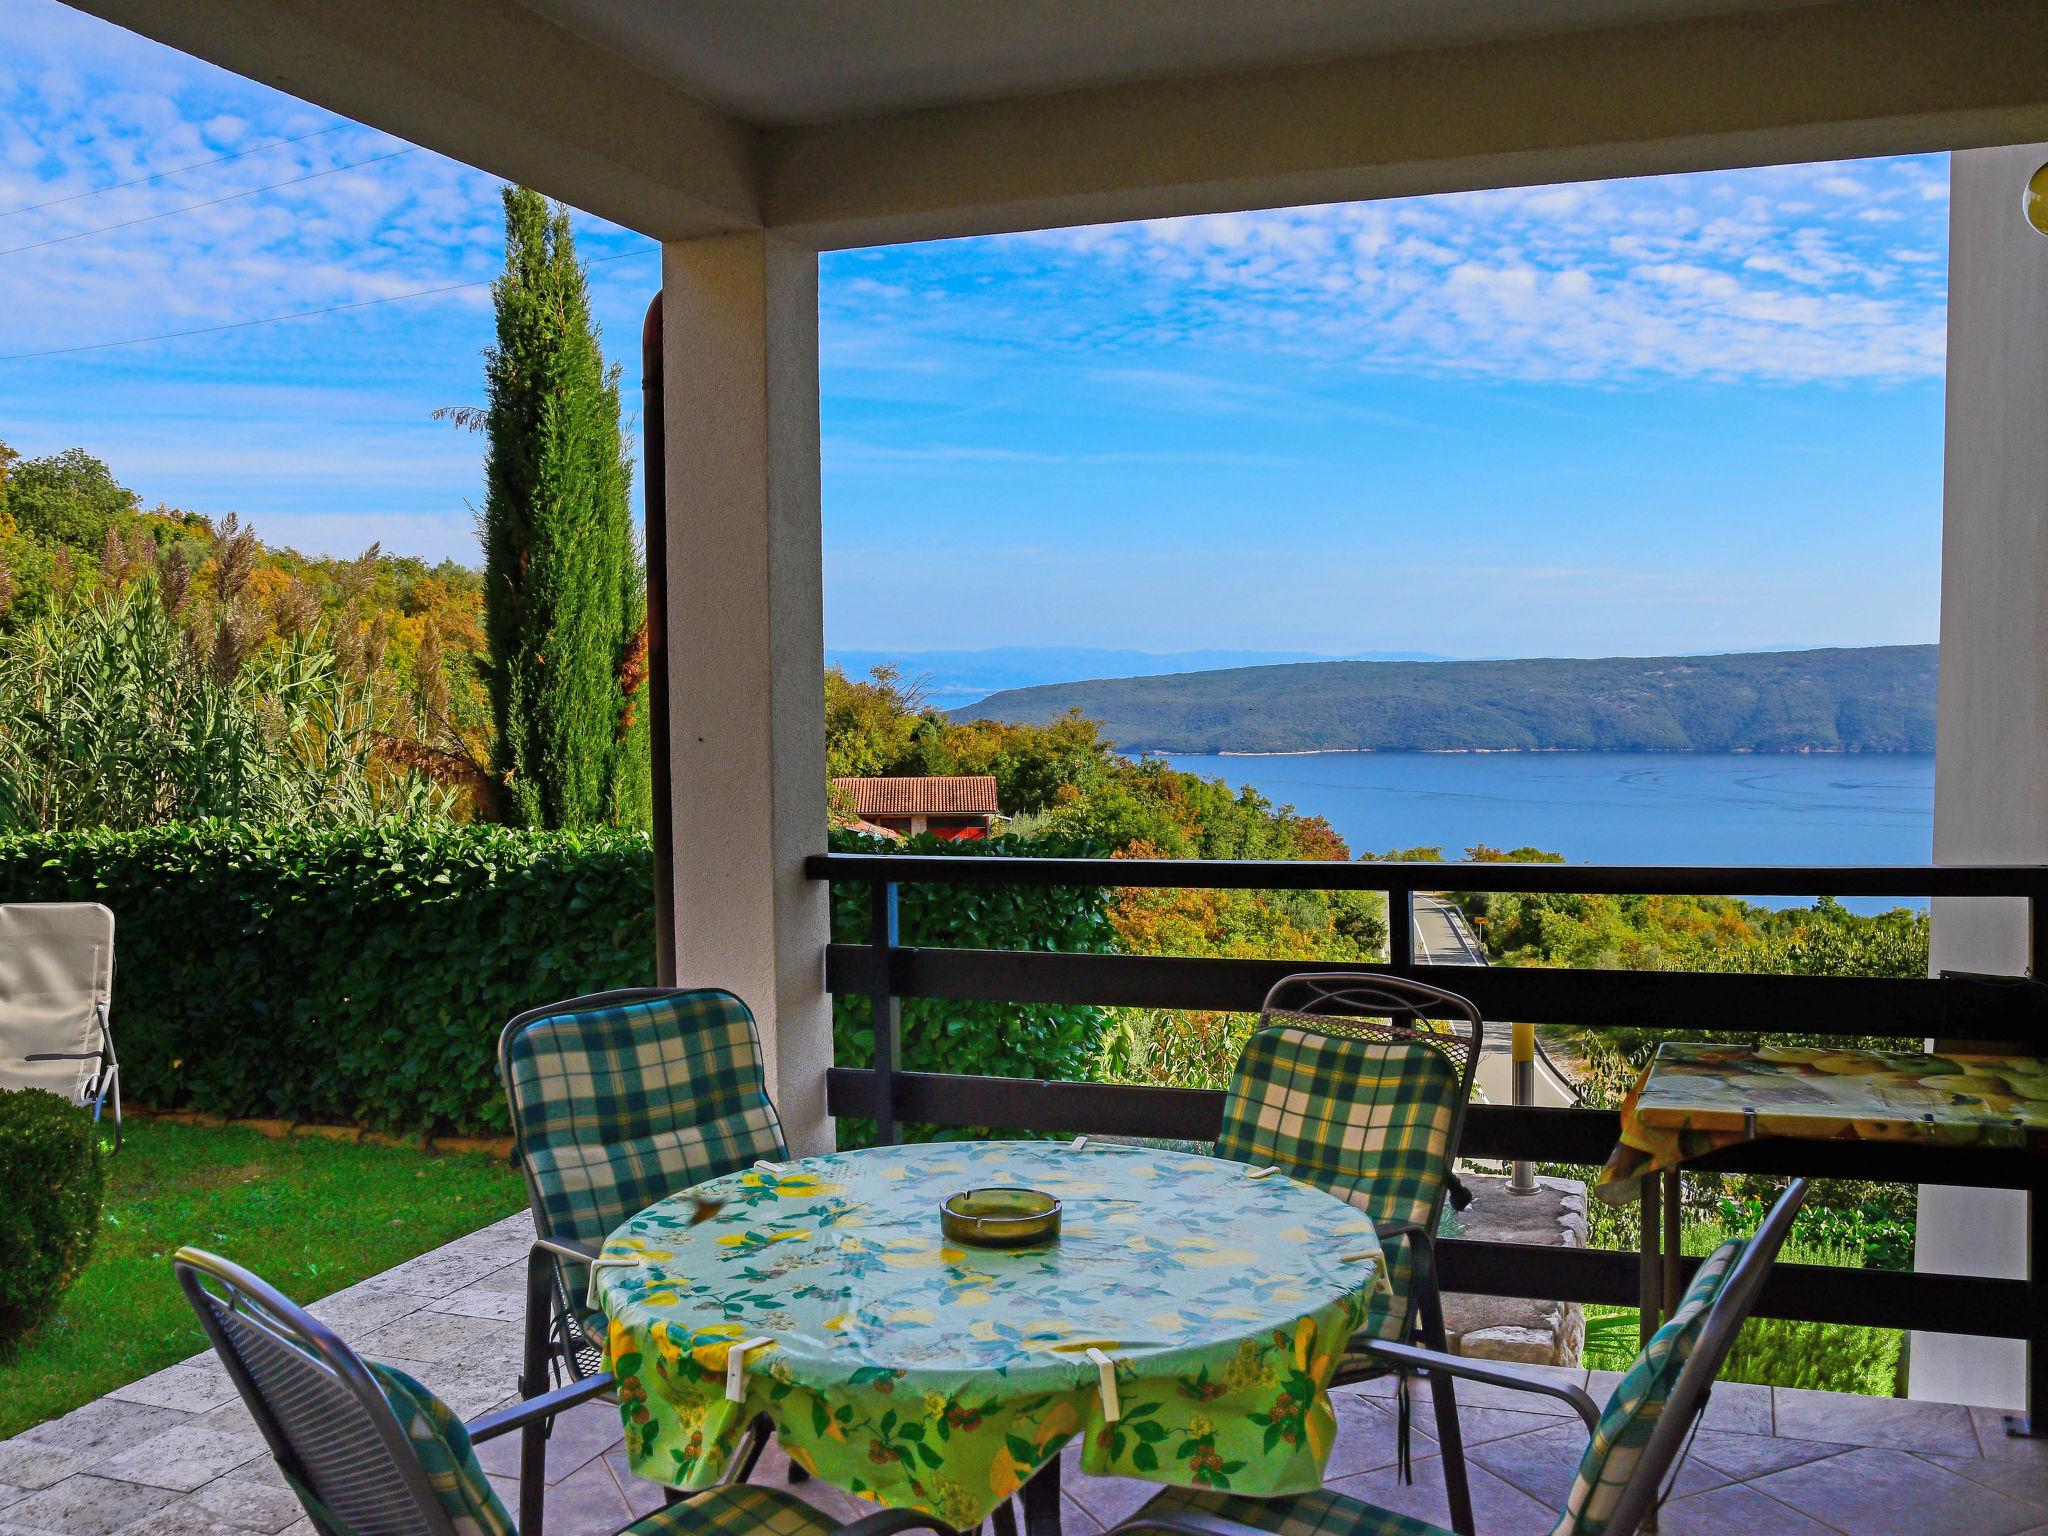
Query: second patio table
[{"x": 929, "y": 1376}]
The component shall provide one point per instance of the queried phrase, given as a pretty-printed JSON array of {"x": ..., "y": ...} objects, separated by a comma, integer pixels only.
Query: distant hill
[
  {"x": 1873, "y": 699},
  {"x": 950, "y": 678}
]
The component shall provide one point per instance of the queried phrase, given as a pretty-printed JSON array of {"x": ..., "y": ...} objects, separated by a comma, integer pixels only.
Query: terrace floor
[{"x": 175, "y": 1453}]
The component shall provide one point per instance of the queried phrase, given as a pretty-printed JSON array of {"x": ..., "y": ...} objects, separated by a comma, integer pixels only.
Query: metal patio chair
[
  {"x": 618, "y": 1099},
  {"x": 56, "y": 983},
  {"x": 1358, "y": 1082},
  {"x": 371, "y": 1452},
  {"x": 1637, "y": 1441}
]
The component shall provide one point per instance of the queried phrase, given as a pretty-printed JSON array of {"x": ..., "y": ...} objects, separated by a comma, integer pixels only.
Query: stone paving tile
[
  {"x": 1498, "y": 1508},
  {"x": 27, "y": 1465},
  {"x": 86, "y": 1505},
  {"x": 1992, "y": 1439},
  {"x": 1744, "y": 1457},
  {"x": 1735, "y": 1508},
  {"x": 2023, "y": 1480},
  {"x": 1367, "y": 1438},
  {"x": 9, "y": 1494},
  {"x": 1871, "y": 1491},
  {"x": 1107, "y": 1500},
  {"x": 434, "y": 1337},
  {"x": 1481, "y": 1425},
  {"x": 103, "y": 1428},
  {"x": 186, "y": 1388},
  {"x": 355, "y": 1311},
  {"x": 1076, "y": 1521},
  {"x": 244, "y": 1506},
  {"x": 483, "y": 1299},
  {"x": 580, "y": 1436},
  {"x": 1543, "y": 1463},
  {"x": 1942, "y": 1429},
  {"x": 587, "y": 1501},
  {"x": 189, "y": 1455}
]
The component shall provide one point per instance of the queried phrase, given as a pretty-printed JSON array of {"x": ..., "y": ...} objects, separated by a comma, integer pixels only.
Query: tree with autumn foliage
[{"x": 565, "y": 596}]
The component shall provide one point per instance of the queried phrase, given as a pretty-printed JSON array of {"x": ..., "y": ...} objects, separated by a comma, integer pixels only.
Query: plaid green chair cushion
[
  {"x": 1368, "y": 1120},
  {"x": 1624, "y": 1430},
  {"x": 616, "y": 1107},
  {"x": 740, "y": 1509},
  {"x": 1322, "y": 1513},
  {"x": 442, "y": 1445}
]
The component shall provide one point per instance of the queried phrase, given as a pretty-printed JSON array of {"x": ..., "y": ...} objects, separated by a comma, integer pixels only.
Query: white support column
[
  {"x": 1992, "y": 739},
  {"x": 746, "y": 638}
]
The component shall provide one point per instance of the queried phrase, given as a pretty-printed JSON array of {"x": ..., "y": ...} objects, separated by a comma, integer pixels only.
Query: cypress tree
[{"x": 565, "y": 597}]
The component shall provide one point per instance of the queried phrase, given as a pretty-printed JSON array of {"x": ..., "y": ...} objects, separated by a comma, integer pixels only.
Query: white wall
[{"x": 1992, "y": 739}]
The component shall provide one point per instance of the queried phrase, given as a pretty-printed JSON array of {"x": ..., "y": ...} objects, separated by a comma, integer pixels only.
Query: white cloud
[{"x": 1787, "y": 275}]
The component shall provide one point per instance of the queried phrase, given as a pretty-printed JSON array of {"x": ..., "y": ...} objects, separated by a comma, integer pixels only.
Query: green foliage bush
[
  {"x": 357, "y": 974},
  {"x": 992, "y": 1039},
  {"x": 1772, "y": 1351},
  {"x": 52, "y": 1177}
]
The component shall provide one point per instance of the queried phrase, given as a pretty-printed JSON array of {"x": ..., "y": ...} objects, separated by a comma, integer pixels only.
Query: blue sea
[{"x": 1611, "y": 807}]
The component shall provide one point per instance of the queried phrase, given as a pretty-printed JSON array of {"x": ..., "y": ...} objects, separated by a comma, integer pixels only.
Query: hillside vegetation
[{"x": 1873, "y": 699}]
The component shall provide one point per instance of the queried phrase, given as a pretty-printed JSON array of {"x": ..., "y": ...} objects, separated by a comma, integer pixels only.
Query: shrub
[
  {"x": 356, "y": 974},
  {"x": 1772, "y": 1351},
  {"x": 52, "y": 1176},
  {"x": 992, "y": 1039}
]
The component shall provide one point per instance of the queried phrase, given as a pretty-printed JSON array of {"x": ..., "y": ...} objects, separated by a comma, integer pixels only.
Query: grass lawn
[
  {"x": 1772, "y": 1351},
  {"x": 307, "y": 1214}
]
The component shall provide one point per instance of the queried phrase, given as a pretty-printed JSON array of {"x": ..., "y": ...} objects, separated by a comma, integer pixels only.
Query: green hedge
[
  {"x": 364, "y": 974},
  {"x": 359, "y": 974},
  {"x": 995, "y": 1039}
]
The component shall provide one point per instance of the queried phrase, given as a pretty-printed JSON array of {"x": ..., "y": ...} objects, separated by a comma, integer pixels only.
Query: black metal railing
[{"x": 1948, "y": 1007}]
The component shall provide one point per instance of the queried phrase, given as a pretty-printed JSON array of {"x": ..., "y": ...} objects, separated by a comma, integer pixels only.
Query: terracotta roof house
[{"x": 947, "y": 806}]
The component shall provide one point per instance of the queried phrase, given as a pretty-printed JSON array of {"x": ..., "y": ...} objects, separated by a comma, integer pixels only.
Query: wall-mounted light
[{"x": 2035, "y": 200}]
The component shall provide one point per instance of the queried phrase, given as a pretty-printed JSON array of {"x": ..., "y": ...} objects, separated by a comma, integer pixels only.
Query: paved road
[{"x": 1442, "y": 936}]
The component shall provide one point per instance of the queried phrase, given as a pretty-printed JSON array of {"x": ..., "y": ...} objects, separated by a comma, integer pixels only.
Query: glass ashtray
[{"x": 1000, "y": 1218}]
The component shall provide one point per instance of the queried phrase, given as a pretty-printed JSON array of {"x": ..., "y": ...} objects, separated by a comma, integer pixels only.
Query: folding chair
[
  {"x": 56, "y": 981},
  {"x": 1636, "y": 1444},
  {"x": 1358, "y": 1082},
  {"x": 371, "y": 1452}
]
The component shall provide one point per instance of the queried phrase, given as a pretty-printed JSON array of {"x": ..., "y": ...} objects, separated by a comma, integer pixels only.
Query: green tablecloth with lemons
[
  {"x": 1695, "y": 1098},
  {"x": 934, "y": 1377}
]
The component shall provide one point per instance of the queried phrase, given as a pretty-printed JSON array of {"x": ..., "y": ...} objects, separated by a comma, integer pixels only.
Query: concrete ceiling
[
  {"x": 857, "y": 122},
  {"x": 780, "y": 63}
]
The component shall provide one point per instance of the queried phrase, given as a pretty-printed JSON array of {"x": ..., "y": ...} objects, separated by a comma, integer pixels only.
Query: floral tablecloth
[
  {"x": 1693, "y": 1099},
  {"x": 935, "y": 1377}
]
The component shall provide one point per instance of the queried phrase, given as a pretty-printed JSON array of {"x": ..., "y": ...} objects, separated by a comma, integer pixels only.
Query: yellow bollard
[{"x": 1522, "y": 1066}]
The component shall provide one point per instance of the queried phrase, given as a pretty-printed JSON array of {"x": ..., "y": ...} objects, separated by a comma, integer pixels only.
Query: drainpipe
[
  {"x": 1522, "y": 1059},
  {"x": 653, "y": 431}
]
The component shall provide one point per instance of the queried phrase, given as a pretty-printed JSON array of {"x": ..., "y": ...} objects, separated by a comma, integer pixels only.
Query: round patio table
[{"x": 1187, "y": 1321}]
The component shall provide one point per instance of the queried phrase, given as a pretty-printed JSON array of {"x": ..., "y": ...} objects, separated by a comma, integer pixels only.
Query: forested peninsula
[{"x": 1867, "y": 699}]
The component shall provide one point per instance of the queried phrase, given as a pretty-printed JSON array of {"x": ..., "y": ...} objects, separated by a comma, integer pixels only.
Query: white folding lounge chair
[{"x": 56, "y": 978}]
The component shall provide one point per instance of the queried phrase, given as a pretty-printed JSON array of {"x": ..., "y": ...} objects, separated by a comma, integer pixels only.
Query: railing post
[
  {"x": 888, "y": 1011},
  {"x": 1522, "y": 1091},
  {"x": 1401, "y": 930}
]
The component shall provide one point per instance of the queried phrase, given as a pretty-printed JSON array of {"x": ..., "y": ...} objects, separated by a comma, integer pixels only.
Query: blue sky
[{"x": 1689, "y": 413}]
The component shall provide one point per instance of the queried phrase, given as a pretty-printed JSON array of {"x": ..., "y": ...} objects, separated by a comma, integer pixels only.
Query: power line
[
  {"x": 299, "y": 314},
  {"x": 197, "y": 165},
  {"x": 212, "y": 202}
]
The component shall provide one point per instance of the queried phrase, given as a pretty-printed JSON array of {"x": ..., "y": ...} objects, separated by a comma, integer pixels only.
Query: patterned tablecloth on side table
[
  {"x": 1694, "y": 1099},
  {"x": 933, "y": 1377}
]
